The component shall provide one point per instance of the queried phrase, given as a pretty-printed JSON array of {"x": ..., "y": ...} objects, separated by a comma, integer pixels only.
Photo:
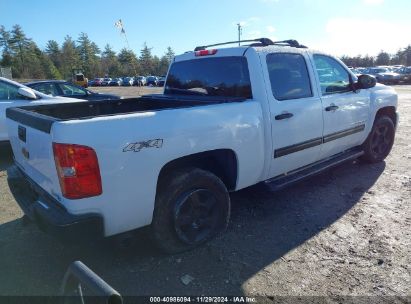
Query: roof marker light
[{"x": 205, "y": 52}]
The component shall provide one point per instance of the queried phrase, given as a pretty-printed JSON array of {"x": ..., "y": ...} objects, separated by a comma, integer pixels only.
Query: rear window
[{"x": 219, "y": 76}]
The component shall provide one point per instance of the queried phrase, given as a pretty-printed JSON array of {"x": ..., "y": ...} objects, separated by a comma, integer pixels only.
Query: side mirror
[
  {"x": 26, "y": 92},
  {"x": 366, "y": 81}
]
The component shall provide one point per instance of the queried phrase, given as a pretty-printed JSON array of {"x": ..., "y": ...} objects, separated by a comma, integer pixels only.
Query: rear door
[
  {"x": 9, "y": 97},
  {"x": 296, "y": 111},
  {"x": 345, "y": 112}
]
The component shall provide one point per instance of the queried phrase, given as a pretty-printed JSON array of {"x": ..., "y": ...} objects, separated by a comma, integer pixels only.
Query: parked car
[
  {"x": 170, "y": 161},
  {"x": 128, "y": 81},
  {"x": 161, "y": 81},
  {"x": 140, "y": 81},
  {"x": 116, "y": 82},
  {"x": 14, "y": 94},
  {"x": 398, "y": 66},
  {"x": 152, "y": 81},
  {"x": 405, "y": 74},
  {"x": 106, "y": 82},
  {"x": 362, "y": 70},
  {"x": 384, "y": 75},
  {"x": 356, "y": 71},
  {"x": 96, "y": 82},
  {"x": 66, "y": 89}
]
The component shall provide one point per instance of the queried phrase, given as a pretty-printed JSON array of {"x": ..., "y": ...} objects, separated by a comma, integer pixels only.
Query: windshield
[
  {"x": 383, "y": 70},
  {"x": 220, "y": 76}
]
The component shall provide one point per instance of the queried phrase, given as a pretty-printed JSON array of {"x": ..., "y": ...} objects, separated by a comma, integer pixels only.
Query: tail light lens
[{"x": 78, "y": 170}]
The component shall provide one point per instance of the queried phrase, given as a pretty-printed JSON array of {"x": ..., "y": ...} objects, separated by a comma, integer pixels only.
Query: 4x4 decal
[{"x": 136, "y": 147}]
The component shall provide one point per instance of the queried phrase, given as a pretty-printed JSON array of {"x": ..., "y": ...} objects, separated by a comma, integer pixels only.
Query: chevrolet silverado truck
[{"x": 266, "y": 112}]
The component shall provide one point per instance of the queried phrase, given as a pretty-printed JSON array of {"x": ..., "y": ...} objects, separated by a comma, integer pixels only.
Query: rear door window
[
  {"x": 219, "y": 77},
  {"x": 288, "y": 76}
]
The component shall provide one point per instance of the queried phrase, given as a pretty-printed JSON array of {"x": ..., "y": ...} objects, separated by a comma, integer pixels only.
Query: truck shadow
[
  {"x": 6, "y": 157},
  {"x": 264, "y": 227}
]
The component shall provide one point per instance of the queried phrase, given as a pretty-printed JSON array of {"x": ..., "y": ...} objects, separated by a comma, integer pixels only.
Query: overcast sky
[{"x": 349, "y": 27}]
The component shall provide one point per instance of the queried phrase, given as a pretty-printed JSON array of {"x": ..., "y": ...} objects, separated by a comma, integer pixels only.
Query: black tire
[
  {"x": 192, "y": 206},
  {"x": 380, "y": 140}
]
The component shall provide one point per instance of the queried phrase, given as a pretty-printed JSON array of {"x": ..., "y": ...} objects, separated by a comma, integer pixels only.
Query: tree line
[
  {"x": 56, "y": 61},
  {"x": 402, "y": 57}
]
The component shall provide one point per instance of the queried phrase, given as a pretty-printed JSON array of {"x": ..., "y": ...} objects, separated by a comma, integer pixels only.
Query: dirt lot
[
  {"x": 128, "y": 91},
  {"x": 345, "y": 232}
]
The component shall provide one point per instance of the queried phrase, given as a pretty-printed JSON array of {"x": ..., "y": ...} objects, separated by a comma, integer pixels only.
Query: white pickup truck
[{"x": 229, "y": 118}]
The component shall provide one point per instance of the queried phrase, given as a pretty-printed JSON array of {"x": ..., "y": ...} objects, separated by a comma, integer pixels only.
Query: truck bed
[{"x": 42, "y": 117}]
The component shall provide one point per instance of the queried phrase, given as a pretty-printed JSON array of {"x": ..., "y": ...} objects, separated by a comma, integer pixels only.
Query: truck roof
[
  {"x": 257, "y": 42},
  {"x": 258, "y": 45}
]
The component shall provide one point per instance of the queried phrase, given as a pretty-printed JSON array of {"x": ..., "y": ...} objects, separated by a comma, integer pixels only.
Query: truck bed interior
[{"x": 83, "y": 110}]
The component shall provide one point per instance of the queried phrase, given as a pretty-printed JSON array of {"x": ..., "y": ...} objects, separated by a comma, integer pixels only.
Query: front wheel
[
  {"x": 192, "y": 206},
  {"x": 380, "y": 140}
]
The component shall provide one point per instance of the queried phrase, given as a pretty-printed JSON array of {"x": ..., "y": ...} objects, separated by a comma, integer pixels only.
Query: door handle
[
  {"x": 283, "y": 116},
  {"x": 332, "y": 107}
]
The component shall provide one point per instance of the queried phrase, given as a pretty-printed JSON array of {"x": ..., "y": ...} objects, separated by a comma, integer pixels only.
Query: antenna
[{"x": 240, "y": 31}]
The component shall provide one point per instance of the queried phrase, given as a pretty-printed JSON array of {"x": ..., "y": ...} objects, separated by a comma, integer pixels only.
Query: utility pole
[{"x": 239, "y": 28}]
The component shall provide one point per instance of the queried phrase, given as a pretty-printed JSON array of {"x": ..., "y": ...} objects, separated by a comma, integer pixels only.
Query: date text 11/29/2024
[{"x": 203, "y": 299}]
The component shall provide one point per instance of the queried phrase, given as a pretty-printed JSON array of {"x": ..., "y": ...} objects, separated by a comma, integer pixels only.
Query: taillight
[
  {"x": 206, "y": 52},
  {"x": 78, "y": 170}
]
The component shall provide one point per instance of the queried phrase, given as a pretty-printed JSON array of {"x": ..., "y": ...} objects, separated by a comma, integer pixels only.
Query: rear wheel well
[
  {"x": 221, "y": 162},
  {"x": 387, "y": 111}
]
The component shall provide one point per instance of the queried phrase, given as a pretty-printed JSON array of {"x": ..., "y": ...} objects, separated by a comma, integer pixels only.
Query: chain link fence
[{"x": 6, "y": 72}]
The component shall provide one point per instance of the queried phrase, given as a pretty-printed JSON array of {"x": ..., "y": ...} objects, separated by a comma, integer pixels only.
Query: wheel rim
[
  {"x": 196, "y": 216},
  {"x": 381, "y": 140}
]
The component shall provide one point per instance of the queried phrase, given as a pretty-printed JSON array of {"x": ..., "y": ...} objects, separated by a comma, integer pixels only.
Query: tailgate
[{"x": 32, "y": 149}]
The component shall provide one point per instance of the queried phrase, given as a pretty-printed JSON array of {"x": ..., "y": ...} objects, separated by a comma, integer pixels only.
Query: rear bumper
[{"x": 49, "y": 215}]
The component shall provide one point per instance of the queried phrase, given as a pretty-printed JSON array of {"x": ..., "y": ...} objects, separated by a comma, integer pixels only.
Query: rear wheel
[
  {"x": 192, "y": 207},
  {"x": 380, "y": 140}
]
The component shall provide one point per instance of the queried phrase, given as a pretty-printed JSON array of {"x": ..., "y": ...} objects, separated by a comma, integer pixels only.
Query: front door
[
  {"x": 345, "y": 111},
  {"x": 296, "y": 112}
]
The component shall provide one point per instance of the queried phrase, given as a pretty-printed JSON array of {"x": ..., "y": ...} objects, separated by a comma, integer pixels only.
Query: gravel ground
[
  {"x": 345, "y": 232},
  {"x": 128, "y": 91}
]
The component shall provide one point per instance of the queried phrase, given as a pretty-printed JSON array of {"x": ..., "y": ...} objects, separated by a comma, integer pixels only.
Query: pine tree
[
  {"x": 6, "y": 53},
  {"x": 109, "y": 62},
  {"x": 88, "y": 52},
  {"x": 69, "y": 57},
  {"x": 383, "y": 58},
  {"x": 54, "y": 53},
  {"x": 146, "y": 60},
  {"x": 20, "y": 46},
  {"x": 169, "y": 54},
  {"x": 34, "y": 68},
  {"x": 129, "y": 62},
  {"x": 407, "y": 55}
]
